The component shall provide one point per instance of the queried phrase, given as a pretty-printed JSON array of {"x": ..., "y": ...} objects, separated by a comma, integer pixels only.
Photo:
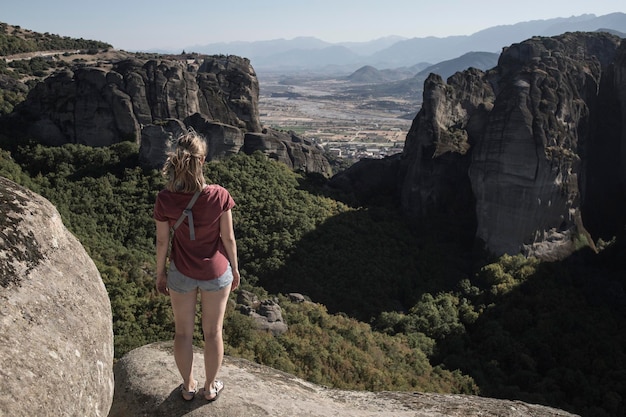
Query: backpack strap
[{"x": 187, "y": 213}]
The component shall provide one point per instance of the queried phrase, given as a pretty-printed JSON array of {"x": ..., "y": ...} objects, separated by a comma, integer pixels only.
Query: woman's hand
[
  {"x": 236, "y": 280},
  {"x": 161, "y": 284}
]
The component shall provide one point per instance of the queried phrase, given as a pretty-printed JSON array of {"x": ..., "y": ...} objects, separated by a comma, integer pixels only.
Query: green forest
[{"x": 392, "y": 308}]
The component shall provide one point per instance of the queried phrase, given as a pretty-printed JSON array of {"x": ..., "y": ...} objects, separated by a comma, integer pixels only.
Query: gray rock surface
[
  {"x": 107, "y": 104},
  {"x": 527, "y": 170},
  {"x": 156, "y": 141},
  {"x": 56, "y": 335},
  {"x": 527, "y": 157},
  {"x": 146, "y": 384},
  {"x": 267, "y": 314},
  {"x": 297, "y": 153},
  {"x": 143, "y": 101},
  {"x": 223, "y": 140}
]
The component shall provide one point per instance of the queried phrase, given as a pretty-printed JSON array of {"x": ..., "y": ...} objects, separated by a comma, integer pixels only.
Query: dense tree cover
[
  {"x": 549, "y": 333},
  {"x": 17, "y": 41},
  {"x": 36, "y": 66},
  {"x": 8, "y": 100}
]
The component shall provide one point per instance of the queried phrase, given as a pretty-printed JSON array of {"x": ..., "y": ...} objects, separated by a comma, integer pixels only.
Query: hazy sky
[{"x": 135, "y": 25}]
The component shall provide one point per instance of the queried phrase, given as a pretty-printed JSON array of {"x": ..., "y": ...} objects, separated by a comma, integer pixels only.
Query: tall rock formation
[
  {"x": 102, "y": 105},
  {"x": 56, "y": 334},
  {"x": 545, "y": 143},
  {"x": 150, "y": 102},
  {"x": 529, "y": 156}
]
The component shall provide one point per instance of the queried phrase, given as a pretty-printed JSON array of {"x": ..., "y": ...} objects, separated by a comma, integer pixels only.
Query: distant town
[
  {"x": 343, "y": 126},
  {"x": 361, "y": 143}
]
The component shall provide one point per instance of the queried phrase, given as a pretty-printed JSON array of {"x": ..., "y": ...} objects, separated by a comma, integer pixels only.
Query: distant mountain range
[{"x": 312, "y": 54}]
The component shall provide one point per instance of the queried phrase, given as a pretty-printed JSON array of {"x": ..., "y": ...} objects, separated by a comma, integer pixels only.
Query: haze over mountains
[{"x": 315, "y": 55}]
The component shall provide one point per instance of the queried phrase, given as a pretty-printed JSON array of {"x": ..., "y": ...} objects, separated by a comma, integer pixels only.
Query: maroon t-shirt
[{"x": 204, "y": 258}]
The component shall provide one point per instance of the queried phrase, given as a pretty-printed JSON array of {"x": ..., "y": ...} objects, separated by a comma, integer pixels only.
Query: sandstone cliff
[
  {"x": 527, "y": 157},
  {"x": 146, "y": 382},
  {"x": 56, "y": 335}
]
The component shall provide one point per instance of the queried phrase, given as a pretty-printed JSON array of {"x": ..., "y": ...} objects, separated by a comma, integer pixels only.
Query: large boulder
[
  {"x": 222, "y": 139},
  {"x": 157, "y": 139},
  {"x": 156, "y": 142},
  {"x": 267, "y": 314},
  {"x": 56, "y": 335},
  {"x": 146, "y": 384}
]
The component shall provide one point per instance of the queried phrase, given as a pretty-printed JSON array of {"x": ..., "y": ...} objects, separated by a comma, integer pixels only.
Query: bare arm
[
  {"x": 162, "y": 243},
  {"x": 230, "y": 244}
]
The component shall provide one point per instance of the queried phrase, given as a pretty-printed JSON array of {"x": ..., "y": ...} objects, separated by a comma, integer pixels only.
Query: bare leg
[
  {"x": 184, "y": 307},
  {"x": 213, "y": 310}
]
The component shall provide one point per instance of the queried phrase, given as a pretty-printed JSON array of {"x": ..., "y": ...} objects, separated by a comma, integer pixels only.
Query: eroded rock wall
[
  {"x": 528, "y": 157},
  {"x": 287, "y": 147},
  {"x": 526, "y": 171},
  {"x": 152, "y": 101},
  {"x": 99, "y": 106},
  {"x": 436, "y": 160}
]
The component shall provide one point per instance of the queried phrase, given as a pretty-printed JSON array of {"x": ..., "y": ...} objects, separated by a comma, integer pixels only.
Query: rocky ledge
[{"x": 146, "y": 384}]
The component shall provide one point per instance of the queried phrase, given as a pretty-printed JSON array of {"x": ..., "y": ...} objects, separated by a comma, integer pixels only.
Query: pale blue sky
[{"x": 148, "y": 24}]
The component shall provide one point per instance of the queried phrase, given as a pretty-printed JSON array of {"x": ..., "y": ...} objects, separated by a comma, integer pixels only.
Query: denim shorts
[{"x": 178, "y": 282}]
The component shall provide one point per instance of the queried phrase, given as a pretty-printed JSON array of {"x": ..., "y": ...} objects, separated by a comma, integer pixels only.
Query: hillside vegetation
[
  {"x": 28, "y": 65},
  {"x": 15, "y": 40},
  {"x": 403, "y": 313}
]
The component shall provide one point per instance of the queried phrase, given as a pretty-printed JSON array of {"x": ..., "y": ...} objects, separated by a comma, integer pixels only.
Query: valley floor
[{"x": 343, "y": 122}]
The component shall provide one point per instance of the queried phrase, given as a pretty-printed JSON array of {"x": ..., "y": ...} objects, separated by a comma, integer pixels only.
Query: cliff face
[
  {"x": 529, "y": 156},
  {"x": 151, "y": 102},
  {"x": 99, "y": 106},
  {"x": 297, "y": 153},
  {"x": 530, "y": 169},
  {"x": 436, "y": 158}
]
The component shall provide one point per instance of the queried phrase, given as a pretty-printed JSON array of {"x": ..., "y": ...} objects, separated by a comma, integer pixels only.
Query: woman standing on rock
[{"x": 203, "y": 259}]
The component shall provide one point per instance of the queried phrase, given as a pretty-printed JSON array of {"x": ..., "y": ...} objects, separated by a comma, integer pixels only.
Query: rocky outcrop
[
  {"x": 222, "y": 140},
  {"x": 436, "y": 160},
  {"x": 267, "y": 314},
  {"x": 151, "y": 101},
  {"x": 99, "y": 106},
  {"x": 529, "y": 170},
  {"x": 146, "y": 384},
  {"x": 56, "y": 336},
  {"x": 529, "y": 156},
  {"x": 297, "y": 153},
  {"x": 156, "y": 141}
]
